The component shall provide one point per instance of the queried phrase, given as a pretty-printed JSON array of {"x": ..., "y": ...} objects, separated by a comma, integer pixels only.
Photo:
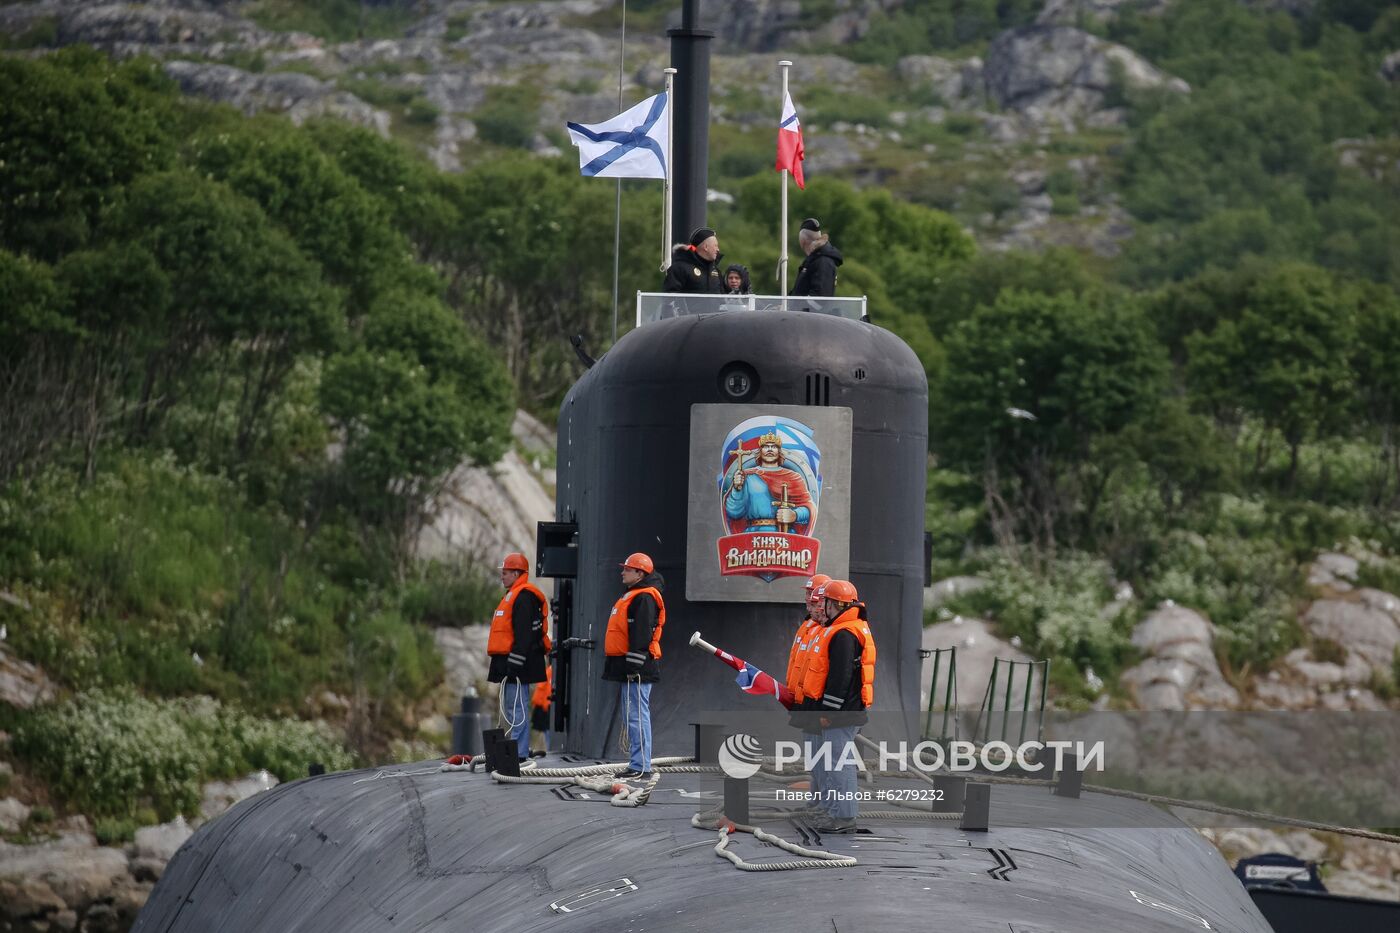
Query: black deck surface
[{"x": 456, "y": 851}]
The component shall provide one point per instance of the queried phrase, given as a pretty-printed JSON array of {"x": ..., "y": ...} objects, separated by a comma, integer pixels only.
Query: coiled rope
[{"x": 811, "y": 858}]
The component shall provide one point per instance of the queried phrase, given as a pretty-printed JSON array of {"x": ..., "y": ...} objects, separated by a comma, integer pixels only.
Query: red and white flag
[{"x": 790, "y": 151}]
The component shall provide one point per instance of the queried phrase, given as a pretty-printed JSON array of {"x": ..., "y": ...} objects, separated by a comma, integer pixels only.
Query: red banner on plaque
[{"x": 768, "y": 555}]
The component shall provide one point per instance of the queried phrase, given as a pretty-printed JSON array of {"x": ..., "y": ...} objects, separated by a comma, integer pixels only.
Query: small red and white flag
[{"x": 790, "y": 151}]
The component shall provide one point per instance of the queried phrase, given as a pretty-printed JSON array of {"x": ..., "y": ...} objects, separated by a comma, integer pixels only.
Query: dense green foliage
[
  {"x": 232, "y": 385},
  {"x": 112, "y": 753},
  {"x": 1249, "y": 163}
]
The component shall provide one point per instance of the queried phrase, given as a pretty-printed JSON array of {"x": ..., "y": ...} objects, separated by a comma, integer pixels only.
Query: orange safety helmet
[
  {"x": 816, "y": 582},
  {"x": 638, "y": 561},
  {"x": 515, "y": 561},
  {"x": 842, "y": 591}
]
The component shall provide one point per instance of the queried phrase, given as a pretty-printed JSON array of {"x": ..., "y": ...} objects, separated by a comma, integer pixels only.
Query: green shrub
[
  {"x": 421, "y": 112},
  {"x": 112, "y": 831},
  {"x": 40, "y": 815},
  {"x": 509, "y": 117},
  {"x": 109, "y": 753},
  {"x": 1057, "y": 611},
  {"x": 1240, "y": 577},
  {"x": 449, "y": 594}
]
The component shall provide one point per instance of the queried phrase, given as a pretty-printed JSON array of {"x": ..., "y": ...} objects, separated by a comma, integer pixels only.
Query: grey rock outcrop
[
  {"x": 1057, "y": 75},
  {"x": 22, "y": 684},
  {"x": 1079, "y": 12},
  {"x": 463, "y": 653},
  {"x": 40, "y": 883},
  {"x": 299, "y": 96},
  {"x": 957, "y": 83},
  {"x": 1337, "y": 571},
  {"x": 220, "y": 795},
  {"x": 485, "y": 512},
  {"x": 1181, "y": 671},
  {"x": 1367, "y": 623},
  {"x": 944, "y": 590},
  {"x": 1390, "y": 67},
  {"x": 13, "y": 815}
]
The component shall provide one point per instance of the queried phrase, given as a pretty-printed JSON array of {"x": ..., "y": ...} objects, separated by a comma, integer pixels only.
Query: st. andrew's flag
[{"x": 633, "y": 144}]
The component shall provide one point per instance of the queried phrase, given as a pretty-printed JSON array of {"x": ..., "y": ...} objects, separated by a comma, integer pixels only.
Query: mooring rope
[{"x": 811, "y": 858}]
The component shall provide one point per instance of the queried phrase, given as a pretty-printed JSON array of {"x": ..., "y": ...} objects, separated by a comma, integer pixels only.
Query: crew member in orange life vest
[
  {"x": 539, "y": 707},
  {"x": 838, "y": 686},
  {"x": 633, "y": 649},
  {"x": 517, "y": 646},
  {"x": 797, "y": 665}
]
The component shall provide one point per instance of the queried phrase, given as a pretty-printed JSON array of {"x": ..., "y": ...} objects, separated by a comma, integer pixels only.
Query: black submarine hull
[
  {"x": 456, "y": 851},
  {"x": 426, "y": 850}
]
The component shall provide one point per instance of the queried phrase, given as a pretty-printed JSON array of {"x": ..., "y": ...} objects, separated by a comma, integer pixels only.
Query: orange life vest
[
  {"x": 616, "y": 641},
  {"x": 797, "y": 655},
  {"x": 819, "y": 659},
  {"x": 503, "y": 625},
  {"x": 540, "y": 698}
]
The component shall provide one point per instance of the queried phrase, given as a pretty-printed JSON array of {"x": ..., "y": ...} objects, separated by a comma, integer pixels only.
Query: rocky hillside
[{"x": 455, "y": 77}]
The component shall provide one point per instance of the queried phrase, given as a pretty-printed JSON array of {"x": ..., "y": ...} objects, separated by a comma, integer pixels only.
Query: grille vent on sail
[{"x": 818, "y": 389}]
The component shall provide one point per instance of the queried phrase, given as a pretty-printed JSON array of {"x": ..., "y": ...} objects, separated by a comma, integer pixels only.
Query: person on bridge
[
  {"x": 817, "y": 276},
  {"x": 736, "y": 280},
  {"x": 838, "y": 686},
  {"x": 632, "y": 647},
  {"x": 797, "y": 665},
  {"x": 517, "y": 646},
  {"x": 695, "y": 266}
]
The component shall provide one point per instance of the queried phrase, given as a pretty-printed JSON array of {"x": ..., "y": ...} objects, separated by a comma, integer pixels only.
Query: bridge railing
[{"x": 658, "y": 306}]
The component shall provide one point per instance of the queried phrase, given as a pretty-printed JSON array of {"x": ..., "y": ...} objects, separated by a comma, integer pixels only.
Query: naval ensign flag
[
  {"x": 790, "y": 151},
  {"x": 633, "y": 144}
]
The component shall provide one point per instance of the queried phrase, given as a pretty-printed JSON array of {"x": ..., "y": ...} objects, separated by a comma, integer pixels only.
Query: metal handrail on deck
[{"x": 659, "y": 306}]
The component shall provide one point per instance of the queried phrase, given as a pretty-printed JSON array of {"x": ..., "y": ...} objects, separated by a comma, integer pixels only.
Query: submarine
[{"x": 649, "y": 439}]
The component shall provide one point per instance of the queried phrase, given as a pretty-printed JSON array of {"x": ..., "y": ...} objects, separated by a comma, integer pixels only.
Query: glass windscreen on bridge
[{"x": 658, "y": 306}]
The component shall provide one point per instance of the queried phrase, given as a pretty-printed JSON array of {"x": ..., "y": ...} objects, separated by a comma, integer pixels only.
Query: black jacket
[
  {"x": 527, "y": 621},
  {"x": 842, "y": 683},
  {"x": 642, "y": 614},
  {"x": 817, "y": 276},
  {"x": 693, "y": 275}
]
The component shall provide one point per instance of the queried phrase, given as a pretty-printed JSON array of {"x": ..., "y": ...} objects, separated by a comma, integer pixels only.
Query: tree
[
  {"x": 76, "y": 129},
  {"x": 1285, "y": 360},
  {"x": 1031, "y": 382},
  {"x": 411, "y": 401},
  {"x": 324, "y": 210},
  {"x": 244, "y": 301}
]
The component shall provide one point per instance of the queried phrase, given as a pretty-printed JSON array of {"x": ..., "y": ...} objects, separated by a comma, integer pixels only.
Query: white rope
[
  {"x": 511, "y": 724},
  {"x": 811, "y": 858},
  {"x": 380, "y": 775}
]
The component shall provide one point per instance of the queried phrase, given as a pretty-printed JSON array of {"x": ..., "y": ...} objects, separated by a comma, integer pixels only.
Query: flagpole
[
  {"x": 617, "y": 208},
  {"x": 666, "y": 196},
  {"x": 782, "y": 229}
]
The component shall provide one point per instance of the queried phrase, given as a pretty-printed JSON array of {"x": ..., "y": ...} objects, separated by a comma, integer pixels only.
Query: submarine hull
[{"x": 456, "y": 851}]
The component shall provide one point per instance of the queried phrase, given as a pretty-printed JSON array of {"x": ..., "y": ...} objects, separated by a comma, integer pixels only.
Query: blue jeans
[
  {"x": 817, "y": 768},
  {"x": 517, "y": 703},
  {"x": 635, "y": 698},
  {"x": 840, "y": 781}
]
